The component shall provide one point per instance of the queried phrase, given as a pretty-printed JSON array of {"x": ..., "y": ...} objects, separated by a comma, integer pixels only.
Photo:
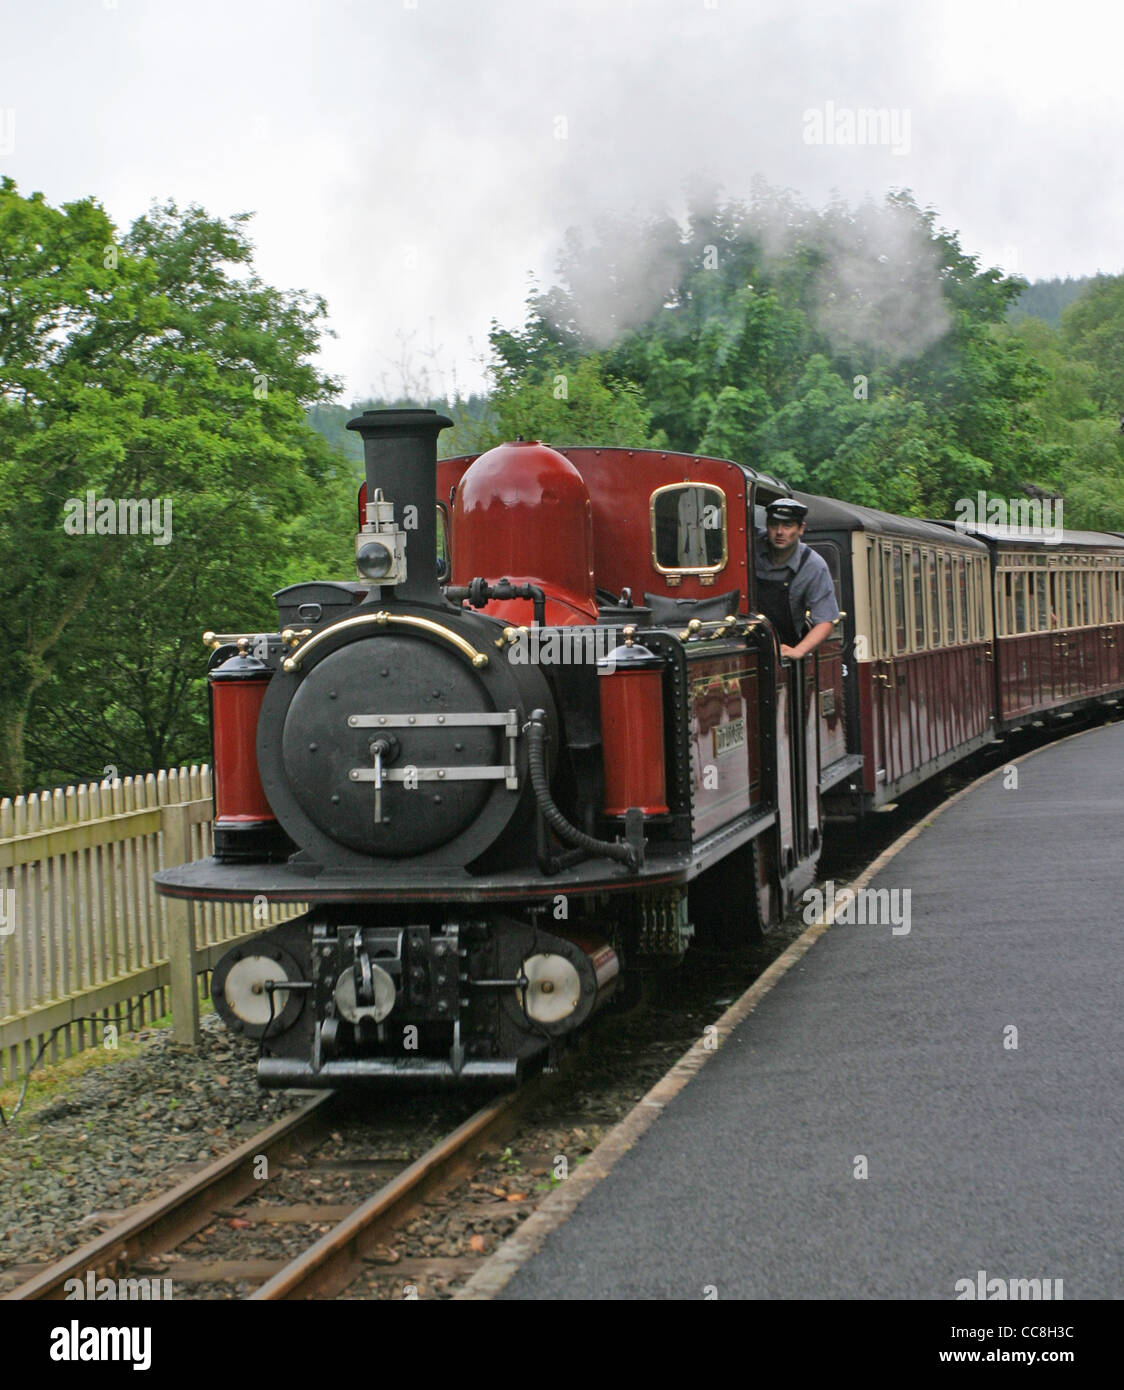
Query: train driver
[{"x": 793, "y": 580}]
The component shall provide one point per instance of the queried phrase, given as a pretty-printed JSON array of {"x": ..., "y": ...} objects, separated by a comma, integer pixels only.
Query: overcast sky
[{"x": 414, "y": 160}]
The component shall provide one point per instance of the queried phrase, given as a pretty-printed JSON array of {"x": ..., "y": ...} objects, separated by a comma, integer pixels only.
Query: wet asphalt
[{"x": 906, "y": 1108}]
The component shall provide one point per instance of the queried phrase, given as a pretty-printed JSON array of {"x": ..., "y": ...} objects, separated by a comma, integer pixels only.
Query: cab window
[{"x": 688, "y": 528}]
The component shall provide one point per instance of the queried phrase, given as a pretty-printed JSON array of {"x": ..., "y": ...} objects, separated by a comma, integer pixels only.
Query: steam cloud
[{"x": 877, "y": 288}]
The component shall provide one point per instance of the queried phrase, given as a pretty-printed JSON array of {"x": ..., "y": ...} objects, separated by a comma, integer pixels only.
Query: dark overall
[{"x": 772, "y": 600}]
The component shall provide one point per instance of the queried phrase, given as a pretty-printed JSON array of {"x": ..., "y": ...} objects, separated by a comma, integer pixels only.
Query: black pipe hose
[{"x": 620, "y": 850}]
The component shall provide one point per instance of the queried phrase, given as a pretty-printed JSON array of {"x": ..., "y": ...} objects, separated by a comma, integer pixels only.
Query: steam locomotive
[{"x": 542, "y": 740}]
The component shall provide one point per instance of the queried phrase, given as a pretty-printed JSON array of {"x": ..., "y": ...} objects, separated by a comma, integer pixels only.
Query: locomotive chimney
[{"x": 400, "y": 458}]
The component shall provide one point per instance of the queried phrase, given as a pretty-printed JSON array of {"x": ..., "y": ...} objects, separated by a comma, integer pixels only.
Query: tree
[
  {"x": 1074, "y": 414},
  {"x": 152, "y": 430},
  {"x": 564, "y": 404},
  {"x": 1092, "y": 330}
]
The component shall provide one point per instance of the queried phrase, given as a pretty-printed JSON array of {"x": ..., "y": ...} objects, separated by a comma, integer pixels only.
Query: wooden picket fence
[{"x": 82, "y": 930}]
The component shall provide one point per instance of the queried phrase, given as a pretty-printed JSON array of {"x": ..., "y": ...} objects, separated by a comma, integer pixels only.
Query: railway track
[{"x": 233, "y": 1194}]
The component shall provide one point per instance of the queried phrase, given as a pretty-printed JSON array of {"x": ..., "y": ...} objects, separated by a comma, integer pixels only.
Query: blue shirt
[{"x": 810, "y": 591}]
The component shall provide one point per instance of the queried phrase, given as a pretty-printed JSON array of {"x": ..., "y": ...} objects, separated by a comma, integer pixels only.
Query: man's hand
[{"x": 791, "y": 653}]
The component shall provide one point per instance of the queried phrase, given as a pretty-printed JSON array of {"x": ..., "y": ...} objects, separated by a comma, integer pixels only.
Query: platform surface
[{"x": 897, "y": 1048}]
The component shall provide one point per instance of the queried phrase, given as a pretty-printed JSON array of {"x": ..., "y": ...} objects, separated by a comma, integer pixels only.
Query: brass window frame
[{"x": 682, "y": 571}]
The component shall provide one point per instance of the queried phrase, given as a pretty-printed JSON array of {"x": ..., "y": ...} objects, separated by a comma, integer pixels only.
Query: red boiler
[{"x": 522, "y": 512}]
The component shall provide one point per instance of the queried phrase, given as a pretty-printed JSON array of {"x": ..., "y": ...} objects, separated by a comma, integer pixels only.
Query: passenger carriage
[
  {"x": 1057, "y": 601},
  {"x": 917, "y": 650}
]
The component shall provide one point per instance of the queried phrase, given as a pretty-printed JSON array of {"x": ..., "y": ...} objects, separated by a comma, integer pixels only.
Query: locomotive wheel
[
  {"x": 725, "y": 903},
  {"x": 633, "y": 992}
]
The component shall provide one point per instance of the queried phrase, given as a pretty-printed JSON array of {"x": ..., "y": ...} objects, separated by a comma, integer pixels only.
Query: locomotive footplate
[
  {"x": 301, "y": 882},
  {"x": 336, "y": 1000}
]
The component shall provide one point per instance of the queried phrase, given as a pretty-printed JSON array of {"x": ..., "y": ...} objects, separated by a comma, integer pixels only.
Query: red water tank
[
  {"x": 245, "y": 830},
  {"x": 522, "y": 512},
  {"x": 630, "y": 680}
]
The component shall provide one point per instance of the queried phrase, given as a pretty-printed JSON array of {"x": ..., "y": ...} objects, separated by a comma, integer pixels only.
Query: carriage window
[
  {"x": 963, "y": 586},
  {"x": 887, "y": 601},
  {"x": 874, "y": 588},
  {"x": 918, "y": 601},
  {"x": 981, "y": 604},
  {"x": 899, "y": 601},
  {"x": 1022, "y": 623},
  {"x": 934, "y": 599},
  {"x": 688, "y": 528},
  {"x": 1070, "y": 618},
  {"x": 1118, "y": 591},
  {"x": 1041, "y": 601},
  {"x": 949, "y": 604}
]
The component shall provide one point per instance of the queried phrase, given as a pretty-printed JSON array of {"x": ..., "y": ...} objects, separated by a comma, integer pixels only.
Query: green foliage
[
  {"x": 1092, "y": 330},
  {"x": 1047, "y": 299},
  {"x": 566, "y": 404},
  {"x": 469, "y": 415},
  {"x": 1074, "y": 413},
  {"x": 150, "y": 367}
]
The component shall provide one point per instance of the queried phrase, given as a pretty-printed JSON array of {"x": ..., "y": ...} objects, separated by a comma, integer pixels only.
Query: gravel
[{"x": 123, "y": 1134}]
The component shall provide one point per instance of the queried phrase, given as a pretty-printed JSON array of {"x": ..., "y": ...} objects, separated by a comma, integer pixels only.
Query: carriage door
[
  {"x": 804, "y": 743},
  {"x": 869, "y": 650},
  {"x": 830, "y": 662}
]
